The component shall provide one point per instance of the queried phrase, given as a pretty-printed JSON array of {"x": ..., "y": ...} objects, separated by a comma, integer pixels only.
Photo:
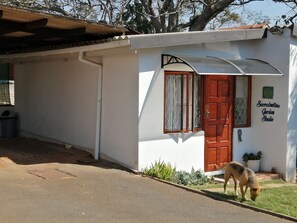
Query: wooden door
[{"x": 218, "y": 117}]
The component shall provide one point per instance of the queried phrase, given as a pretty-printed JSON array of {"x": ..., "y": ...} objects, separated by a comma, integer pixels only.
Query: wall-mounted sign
[{"x": 268, "y": 110}]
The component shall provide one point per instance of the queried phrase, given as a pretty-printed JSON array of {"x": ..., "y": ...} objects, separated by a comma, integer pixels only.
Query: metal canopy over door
[
  {"x": 211, "y": 65},
  {"x": 218, "y": 107}
]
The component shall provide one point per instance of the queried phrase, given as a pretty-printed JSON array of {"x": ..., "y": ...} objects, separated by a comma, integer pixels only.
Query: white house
[{"x": 196, "y": 99}]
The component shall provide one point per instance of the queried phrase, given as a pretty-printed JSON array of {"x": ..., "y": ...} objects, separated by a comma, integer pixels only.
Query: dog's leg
[
  {"x": 235, "y": 184},
  {"x": 225, "y": 184},
  {"x": 226, "y": 177},
  {"x": 243, "y": 192}
]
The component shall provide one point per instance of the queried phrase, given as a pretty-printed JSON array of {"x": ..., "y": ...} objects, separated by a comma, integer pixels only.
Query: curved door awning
[{"x": 220, "y": 66}]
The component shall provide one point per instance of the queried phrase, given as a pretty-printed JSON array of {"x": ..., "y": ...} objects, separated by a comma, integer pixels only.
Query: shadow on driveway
[{"x": 25, "y": 151}]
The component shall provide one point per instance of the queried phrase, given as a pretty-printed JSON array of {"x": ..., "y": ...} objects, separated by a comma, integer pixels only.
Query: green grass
[{"x": 281, "y": 199}]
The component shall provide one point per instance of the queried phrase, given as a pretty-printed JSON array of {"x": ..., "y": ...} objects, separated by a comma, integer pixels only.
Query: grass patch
[
  {"x": 276, "y": 196},
  {"x": 279, "y": 199}
]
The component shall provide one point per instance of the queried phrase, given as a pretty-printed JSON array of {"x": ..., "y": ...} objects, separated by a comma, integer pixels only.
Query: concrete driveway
[{"x": 103, "y": 192}]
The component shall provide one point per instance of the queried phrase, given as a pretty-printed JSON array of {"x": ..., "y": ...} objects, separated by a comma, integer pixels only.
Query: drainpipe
[{"x": 99, "y": 102}]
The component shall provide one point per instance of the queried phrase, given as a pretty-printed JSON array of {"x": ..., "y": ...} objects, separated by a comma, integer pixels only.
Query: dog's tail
[{"x": 223, "y": 167}]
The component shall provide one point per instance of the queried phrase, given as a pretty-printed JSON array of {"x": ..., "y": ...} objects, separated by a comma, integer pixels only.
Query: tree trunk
[{"x": 210, "y": 11}]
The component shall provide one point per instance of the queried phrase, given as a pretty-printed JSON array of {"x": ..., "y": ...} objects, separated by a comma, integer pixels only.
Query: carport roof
[{"x": 23, "y": 30}]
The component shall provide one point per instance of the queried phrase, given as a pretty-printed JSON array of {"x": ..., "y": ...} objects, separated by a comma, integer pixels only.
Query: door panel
[
  {"x": 224, "y": 133},
  {"x": 214, "y": 114},
  {"x": 218, "y": 102}
]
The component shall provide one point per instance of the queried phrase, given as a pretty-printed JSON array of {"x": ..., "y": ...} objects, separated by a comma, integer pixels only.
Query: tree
[
  {"x": 98, "y": 10},
  {"x": 134, "y": 17},
  {"x": 173, "y": 15},
  {"x": 148, "y": 16},
  {"x": 289, "y": 19}
]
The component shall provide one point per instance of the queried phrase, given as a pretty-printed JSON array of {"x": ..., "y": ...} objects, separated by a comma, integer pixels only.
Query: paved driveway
[
  {"x": 75, "y": 193},
  {"x": 65, "y": 192}
]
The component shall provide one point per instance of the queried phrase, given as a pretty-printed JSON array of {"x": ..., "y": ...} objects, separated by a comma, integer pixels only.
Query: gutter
[
  {"x": 196, "y": 37},
  {"x": 82, "y": 59}
]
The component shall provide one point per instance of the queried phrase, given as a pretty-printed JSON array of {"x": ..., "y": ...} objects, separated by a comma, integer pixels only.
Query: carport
[{"x": 25, "y": 32}]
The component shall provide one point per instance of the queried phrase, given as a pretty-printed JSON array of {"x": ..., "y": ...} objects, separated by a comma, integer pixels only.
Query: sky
[{"x": 271, "y": 9}]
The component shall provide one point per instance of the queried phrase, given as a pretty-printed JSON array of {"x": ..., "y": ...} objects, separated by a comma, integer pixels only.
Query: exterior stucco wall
[
  {"x": 183, "y": 151},
  {"x": 292, "y": 113},
  {"x": 269, "y": 137},
  {"x": 120, "y": 109},
  {"x": 56, "y": 100}
]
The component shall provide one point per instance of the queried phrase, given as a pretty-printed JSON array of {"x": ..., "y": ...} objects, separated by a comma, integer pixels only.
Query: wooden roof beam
[
  {"x": 7, "y": 26},
  {"x": 41, "y": 35},
  {"x": 36, "y": 24},
  {"x": 60, "y": 33}
]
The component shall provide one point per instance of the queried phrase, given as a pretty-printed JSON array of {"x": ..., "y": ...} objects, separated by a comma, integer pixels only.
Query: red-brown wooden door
[{"x": 218, "y": 115}]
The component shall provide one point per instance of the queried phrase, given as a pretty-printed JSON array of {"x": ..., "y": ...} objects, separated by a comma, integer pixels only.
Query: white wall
[
  {"x": 292, "y": 113},
  {"x": 154, "y": 144},
  {"x": 278, "y": 139},
  {"x": 269, "y": 137},
  {"x": 183, "y": 151},
  {"x": 56, "y": 100},
  {"x": 120, "y": 109}
]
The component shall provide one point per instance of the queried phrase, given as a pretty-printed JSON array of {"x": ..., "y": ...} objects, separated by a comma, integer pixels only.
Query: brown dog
[{"x": 245, "y": 176}]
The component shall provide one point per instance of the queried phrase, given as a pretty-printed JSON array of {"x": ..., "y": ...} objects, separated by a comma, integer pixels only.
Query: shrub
[
  {"x": 181, "y": 177},
  {"x": 251, "y": 156},
  {"x": 165, "y": 171},
  {"x": 160, "y": 170},
  {"x": 193, "y": 178}
]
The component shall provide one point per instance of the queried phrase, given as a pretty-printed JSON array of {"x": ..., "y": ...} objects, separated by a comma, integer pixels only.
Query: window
[
  {"x": 182, "y": 93},
  {"x": 6, "y": 84},
  {"x": 242, "y": 101}
]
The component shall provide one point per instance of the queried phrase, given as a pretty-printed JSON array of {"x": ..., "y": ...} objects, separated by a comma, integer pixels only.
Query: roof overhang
[
  {"x": 211, "y": 65},
  {"x": 198, "y": 37},
  {"x": 24, "y": 30}
]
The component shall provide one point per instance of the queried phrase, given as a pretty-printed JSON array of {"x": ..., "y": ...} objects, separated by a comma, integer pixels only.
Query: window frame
[
  {"x": 10, "y": 82},
  {"x": 248, "y": 112},
  {"x": 189, "y": 126}
]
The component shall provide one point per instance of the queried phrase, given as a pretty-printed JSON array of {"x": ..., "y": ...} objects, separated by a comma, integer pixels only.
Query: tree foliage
[
  {"x": 289, "y": 19},
  {"x": 148, "y": 16}
]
